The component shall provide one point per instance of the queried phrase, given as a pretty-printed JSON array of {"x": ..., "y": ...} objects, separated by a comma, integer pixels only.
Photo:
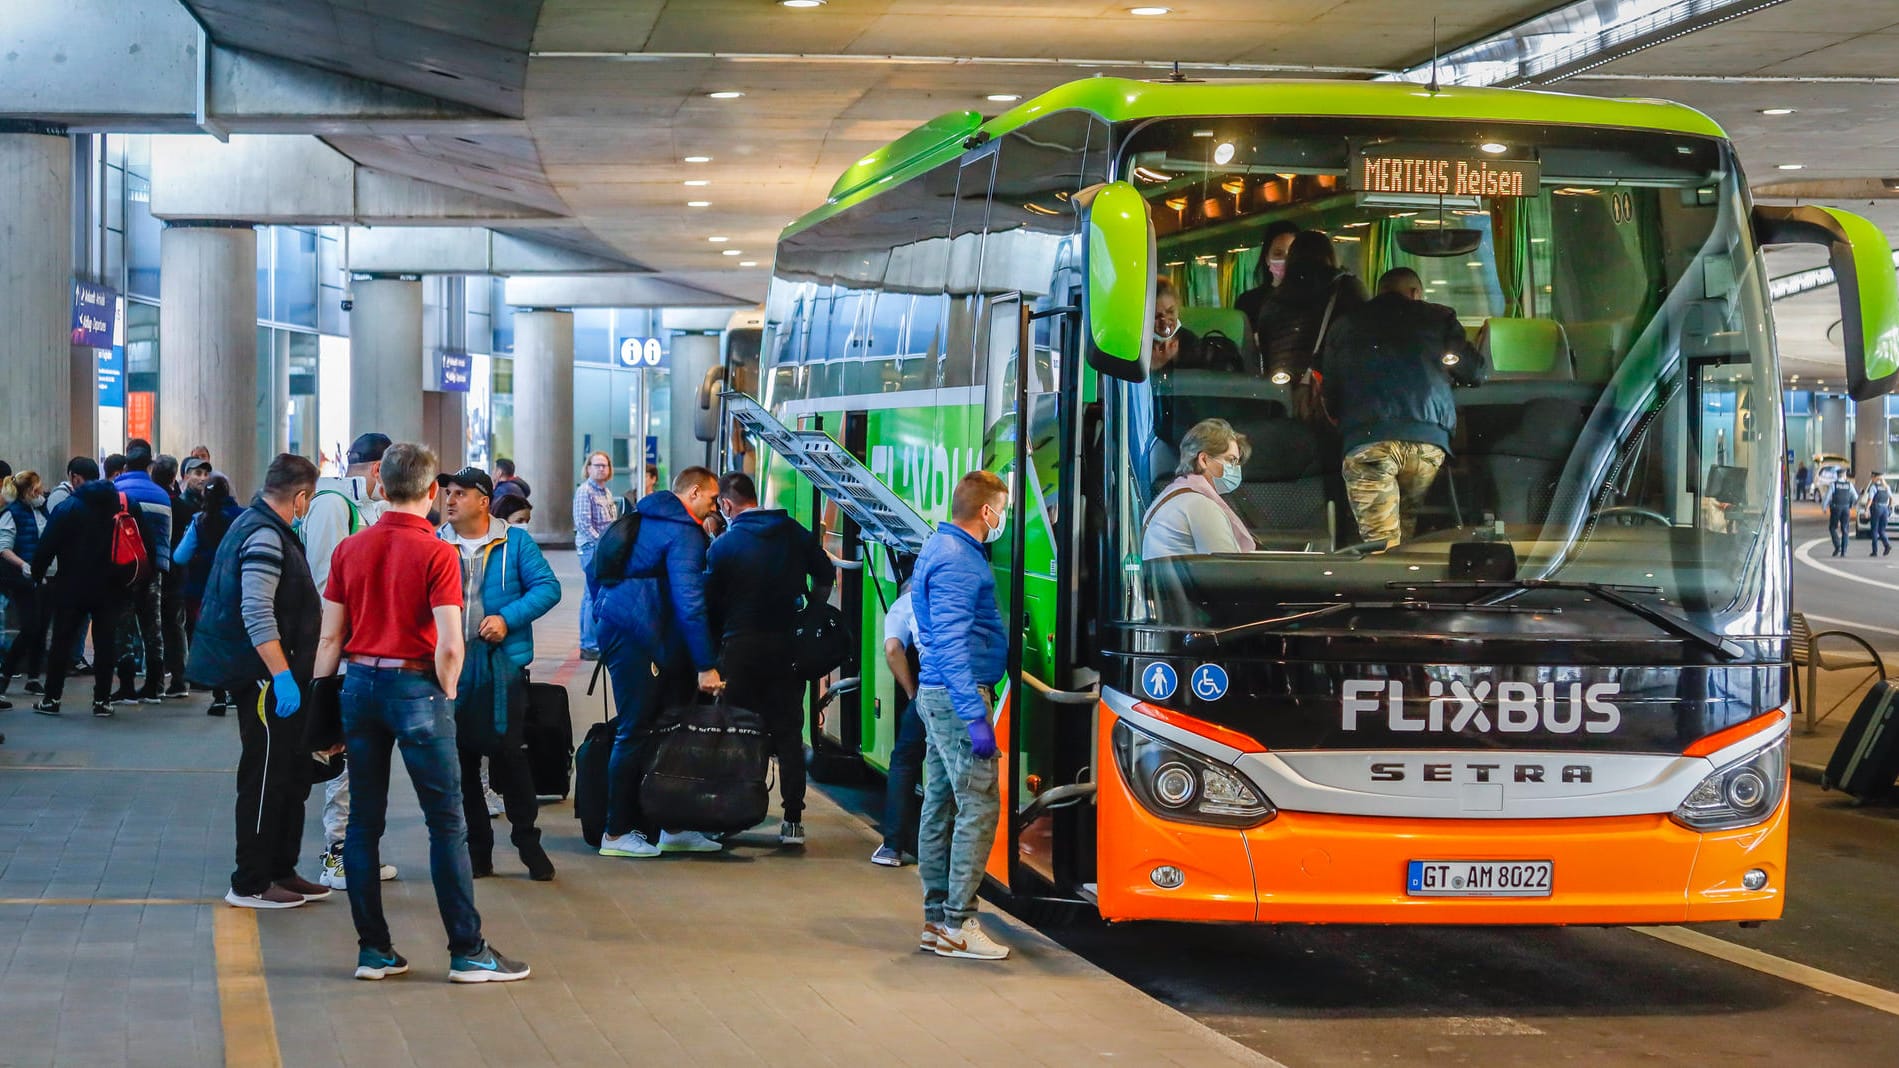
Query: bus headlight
[
  {"x": 1741, "y": 794},
  {"x": 1175, "y": 784}
]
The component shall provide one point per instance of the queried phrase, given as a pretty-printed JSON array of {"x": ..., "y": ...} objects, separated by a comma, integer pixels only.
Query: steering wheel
[{"x": 1637, "y": 511}]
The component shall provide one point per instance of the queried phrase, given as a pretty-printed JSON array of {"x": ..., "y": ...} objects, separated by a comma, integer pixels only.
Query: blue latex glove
[
  {"x": 982, "y": 738},
  {"x": 289, "y": 699}
]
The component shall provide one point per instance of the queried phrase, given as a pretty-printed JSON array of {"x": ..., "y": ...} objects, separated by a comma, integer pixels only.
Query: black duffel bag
[
  {"x": 820, "y": 640},
  {"x": 706, "y": 769}
]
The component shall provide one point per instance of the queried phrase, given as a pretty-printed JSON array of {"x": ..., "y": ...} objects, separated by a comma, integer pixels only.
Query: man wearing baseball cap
[
  {"x": 506, "y": 585},
  {"x": 341, "y": 507}
]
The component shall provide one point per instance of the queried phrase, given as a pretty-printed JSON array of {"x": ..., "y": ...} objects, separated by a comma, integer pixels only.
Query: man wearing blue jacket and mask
[
  {"x": 964, "y": 652},
  {"x": 506, "y": 586}
]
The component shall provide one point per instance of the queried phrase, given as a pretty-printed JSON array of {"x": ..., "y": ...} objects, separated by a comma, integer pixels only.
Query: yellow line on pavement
[
  {"x": 250, "y": 1030},
  {"x": 1779, "y": 967},
  {"x": 88, "y": 902}
]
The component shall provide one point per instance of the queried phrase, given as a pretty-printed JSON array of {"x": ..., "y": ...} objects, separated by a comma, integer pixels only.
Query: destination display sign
[{"x": 1446, "y": 176}]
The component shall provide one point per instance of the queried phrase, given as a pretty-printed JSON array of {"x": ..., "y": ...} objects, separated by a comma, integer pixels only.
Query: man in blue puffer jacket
[
  {"x": 506, "y": 586},
  {"x": 154, "y": 520},
  {"x": 652, "y": 631}
]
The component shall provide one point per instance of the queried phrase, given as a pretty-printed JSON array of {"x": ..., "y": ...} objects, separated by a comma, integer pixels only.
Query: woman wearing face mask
[
  {"x": 1272, "y": 268},
  {"x": 20, "y": 525},
  {"x": 511, "y": 509},
  {"x": 1190, "y": 516}
]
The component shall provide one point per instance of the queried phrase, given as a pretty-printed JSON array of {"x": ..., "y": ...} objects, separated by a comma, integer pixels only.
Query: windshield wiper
[
  {"x": 1212, "y": 639},
  {"x": 1614, "y": 593}
]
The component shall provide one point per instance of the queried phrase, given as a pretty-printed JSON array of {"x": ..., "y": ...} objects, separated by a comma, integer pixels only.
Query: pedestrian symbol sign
[
  {"x": 1209, "y": 682},
  {"x": 1159, "y": 681}
]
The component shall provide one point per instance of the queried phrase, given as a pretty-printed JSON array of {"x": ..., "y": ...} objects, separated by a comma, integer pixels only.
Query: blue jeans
[
  {"x": 588, "y": 640},
  {"x": 385, "y": 707},
  {"x": 906, "y": 767},
  {"x": 1879, "y": 516},
  {"x": 961, "y": 805},
  {"x": 641, "y": 690},
  {"x": 1839, "y": 527}
]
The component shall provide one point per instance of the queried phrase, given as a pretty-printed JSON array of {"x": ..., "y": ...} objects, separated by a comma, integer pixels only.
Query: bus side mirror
[
  {"x": 1869, "y": 288},
  {"x": 1118, "y": 260},
  {"x": 705, "y": 415}
]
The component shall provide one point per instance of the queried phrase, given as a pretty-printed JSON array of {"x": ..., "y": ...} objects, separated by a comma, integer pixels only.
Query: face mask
[
  {"x": 1277, "y": 268},
  {"x": 1229, "y": 479},
  {"x": 1168, "y": 335},
  {"x": 38, "y": 501},
  {"x": 995, "y": 532}
]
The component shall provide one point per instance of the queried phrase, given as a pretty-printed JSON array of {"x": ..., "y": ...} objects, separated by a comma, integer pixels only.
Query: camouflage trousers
[{"x": 1385, "y": 481}]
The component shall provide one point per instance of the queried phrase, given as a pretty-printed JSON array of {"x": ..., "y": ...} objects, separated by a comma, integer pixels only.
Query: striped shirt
[{"x": 260, "y": 562}]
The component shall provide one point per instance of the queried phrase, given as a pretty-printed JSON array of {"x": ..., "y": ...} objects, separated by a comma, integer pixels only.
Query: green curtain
[
  {"x": 1381, "y": 249},
  {"x": 1510, "y": 244}
]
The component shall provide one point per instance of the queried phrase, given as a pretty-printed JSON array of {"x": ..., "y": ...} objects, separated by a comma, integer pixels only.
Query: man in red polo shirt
[{"x": 393, "y": 606}]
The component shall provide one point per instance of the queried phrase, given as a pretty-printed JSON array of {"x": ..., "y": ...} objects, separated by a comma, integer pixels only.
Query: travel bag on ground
[
  {"x": 1866, "y": 761},
  {"x": 549, "y": 736},
  {"x": 590, "y": 769},
  {"x": 706, "y": 770}
]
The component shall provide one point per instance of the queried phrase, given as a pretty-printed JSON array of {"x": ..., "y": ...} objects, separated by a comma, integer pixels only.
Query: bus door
[{"x": 1044, "y": 727}]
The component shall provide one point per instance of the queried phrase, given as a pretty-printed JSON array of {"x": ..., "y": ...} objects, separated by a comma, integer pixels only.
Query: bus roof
[{"x": 1122, "y": 99}]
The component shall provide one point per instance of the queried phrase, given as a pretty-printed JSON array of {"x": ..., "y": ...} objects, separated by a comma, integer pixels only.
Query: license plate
[{"x": 1479, "y": 878}]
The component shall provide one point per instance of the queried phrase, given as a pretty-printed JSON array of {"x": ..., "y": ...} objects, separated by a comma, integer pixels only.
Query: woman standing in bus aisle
[
  {"x": 1293, "y": 321},
  {"x": 1190, "y": 516},
  {"x": 20, "y": 524},
  {"x": 593, "y": 513},
  {"x": 1270, "y": 271}
]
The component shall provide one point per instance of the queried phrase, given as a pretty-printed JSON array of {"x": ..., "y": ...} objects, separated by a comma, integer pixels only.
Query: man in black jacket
[
  {"x": 1387, "y": 368},
  {"x": 756, "y": 580},
  {"x": 257, "y": 637},
  {"x": 171, "y": 598},
  {"x": 85, "y": 587}
]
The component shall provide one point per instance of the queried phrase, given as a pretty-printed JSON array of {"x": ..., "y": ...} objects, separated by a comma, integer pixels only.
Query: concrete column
[
  {"x": 1832, "y": 413},
  {"x": 544, "y": 419},
  {"x": 207, "y": 349},
  {"x": 36, "y": 270},
  {"x": 692, "y": 356},
  {"x": 385, "y": 358},
  {"x": 1869, "y": 438}
]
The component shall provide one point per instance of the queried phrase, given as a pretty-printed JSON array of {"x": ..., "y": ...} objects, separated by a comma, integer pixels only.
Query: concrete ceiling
[{"x": 598, "y": 102}]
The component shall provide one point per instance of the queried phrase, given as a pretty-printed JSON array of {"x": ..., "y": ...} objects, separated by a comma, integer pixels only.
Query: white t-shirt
[
  {"x": 328, "y": 522},
  {"x": 900, "y": 624}
]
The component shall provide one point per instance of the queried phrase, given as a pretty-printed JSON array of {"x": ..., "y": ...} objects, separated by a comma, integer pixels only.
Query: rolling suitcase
[
  {"x": 549, "y": 736},
  {"x": 1866, "y": 761},
  {"x": 590, "y": 770}
]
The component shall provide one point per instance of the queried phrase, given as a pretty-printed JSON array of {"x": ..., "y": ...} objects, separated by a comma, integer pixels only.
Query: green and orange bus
[{"x": 1565, "y": 700}]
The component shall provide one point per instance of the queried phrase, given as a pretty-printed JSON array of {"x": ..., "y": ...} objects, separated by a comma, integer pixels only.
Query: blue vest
[{"x": 26, "y": 538}]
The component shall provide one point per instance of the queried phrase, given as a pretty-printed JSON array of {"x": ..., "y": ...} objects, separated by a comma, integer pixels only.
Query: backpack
[
  {"x": 1219, "y": 352},
  {"x": 614, "y": 550},
  {"x": 128, "y": 546},
  {"x": 355, "y": 513},
  {"x": 820, "y": 640}
]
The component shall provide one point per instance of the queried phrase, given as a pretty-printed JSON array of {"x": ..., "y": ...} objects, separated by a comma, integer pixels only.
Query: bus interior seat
[
  {"x": 1596, "y": 345},
  {"x": 1524, "y": 464},
  {"x": 1520, "y": 349},
  {"x": 1230, "y": 322},
  {"x": 1282, "y": 496}
]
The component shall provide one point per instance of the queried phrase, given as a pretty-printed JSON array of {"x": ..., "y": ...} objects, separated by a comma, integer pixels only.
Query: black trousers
[
  {"x": 758, "y": 678},
  {"x": 510, "y": 776},
  {"x": 70, "y": 617},
  {"x": 28, "y": 654},
  {"x": 172, "y": 623},
  {"x": 273, "y": 782},
  {"x": 144, "y": 615}
]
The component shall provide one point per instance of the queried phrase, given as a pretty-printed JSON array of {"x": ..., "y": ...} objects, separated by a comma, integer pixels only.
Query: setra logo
[{"x": 1506, "y": 707}]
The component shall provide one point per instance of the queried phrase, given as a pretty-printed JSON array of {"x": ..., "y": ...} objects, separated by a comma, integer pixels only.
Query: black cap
[
  {"x": 192, "y": 463},
  {"x": 473, "y": 478},
  {"x": 368, "y": 449}
]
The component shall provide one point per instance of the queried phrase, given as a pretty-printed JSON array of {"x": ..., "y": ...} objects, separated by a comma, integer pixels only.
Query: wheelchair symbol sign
[
  {"x": 1159, "y": 681},
  {"x": 1209, "y": 682}
]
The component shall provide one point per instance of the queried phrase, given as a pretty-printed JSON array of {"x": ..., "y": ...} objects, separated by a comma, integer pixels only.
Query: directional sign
[
  {"x": 1209, "y": 682},
  {"x": 642, "y": 353},
  {"x": 1159, "y": 681}
]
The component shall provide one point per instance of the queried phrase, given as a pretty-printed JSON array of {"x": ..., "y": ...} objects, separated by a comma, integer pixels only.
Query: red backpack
[{"x": 128, "y": 546}]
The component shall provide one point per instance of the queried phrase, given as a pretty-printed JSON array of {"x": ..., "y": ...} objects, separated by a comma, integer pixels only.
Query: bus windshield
[{"x": 1594, "y": 400}]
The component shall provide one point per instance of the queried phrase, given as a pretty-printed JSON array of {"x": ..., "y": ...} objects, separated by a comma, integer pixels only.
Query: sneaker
[
  {"x": 930, "y": 938},
  {"x": 485, "y": 966},
  {"x": 274, "y": 898},
  {"x": 46, "y": 707},
  {"x": 5, "y": 704},
  {"x": 887, "y": 857},
  {"x": 102, "y": 710},
  {"x": 175, "y": 691},
  {"x": 968, "y": 942},
  {"x": 386, "y": 873},
  {"x": 379, "y": 963},
  {"x": 33, "y": 687},
  {"x": 150, "y": 695},
  {"x": 630, "y": 844},
  {"x": 217, "y": 708},
  {"x": 297, "y": 884},
  {"x": 330, "y": 870},
  {"x": 539, "y": 867},
  {"x": 791, "y": 832},
  {"x": 687, "y": 842}
]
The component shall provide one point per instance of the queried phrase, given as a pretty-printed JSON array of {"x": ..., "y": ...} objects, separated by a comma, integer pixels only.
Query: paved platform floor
[{"x": 115, "y": 847}]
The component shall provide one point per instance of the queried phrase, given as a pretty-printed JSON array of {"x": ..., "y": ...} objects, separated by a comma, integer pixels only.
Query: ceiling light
[
  {"x": 698, "y": 159},
  {"x": 1003, "y": 98},
  {"x": 718, "y": 240},
  {"x": 731, "y": 252},
  {"x": 698, "y": 181},
  {"x": 748, "y": 263},
  {"x": 1792, "y": 166},
  {"x": 1495, "y": 148},
  {"x": 1149, "y": 10},
  {"x": 1203, "y": 133},
  {"x": 1223, "y": 153},
  {"x": 698, "y": 203},
  {"x": 726, "y": 94},
  {"x": 1777, "y": 111},
  {"x": 800, "y": 4}
]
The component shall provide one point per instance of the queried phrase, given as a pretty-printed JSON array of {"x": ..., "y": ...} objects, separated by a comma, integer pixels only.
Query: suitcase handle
[{"x": 599, "y": 669}]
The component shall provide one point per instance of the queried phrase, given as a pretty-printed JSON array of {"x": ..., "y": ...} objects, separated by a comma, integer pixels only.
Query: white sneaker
[
  {"x": 687, "y": 842},
  {"x": 630, "y": 844},
  {"x": 931, "y": 936},
  {"x": 330, "y": 871},
  {"x": 386, "y": 873},
  {"x": 791, "y": 832},
  {"x": 968, "y": 942}
]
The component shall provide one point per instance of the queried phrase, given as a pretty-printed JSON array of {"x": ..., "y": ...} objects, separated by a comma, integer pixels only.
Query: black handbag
[
  {"x": 821, "y": 641},
  {"x": 706, "y": 769}
]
